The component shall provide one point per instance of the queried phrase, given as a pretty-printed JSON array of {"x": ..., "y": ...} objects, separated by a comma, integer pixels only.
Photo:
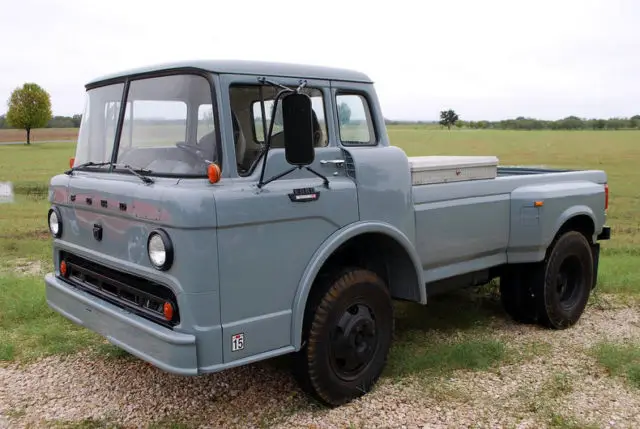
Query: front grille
[{"x": 137, "y": 294}]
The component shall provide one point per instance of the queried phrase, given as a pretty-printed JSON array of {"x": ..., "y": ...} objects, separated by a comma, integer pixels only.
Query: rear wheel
[
  {"x": 562, "y": 295},
  {"x": 555, "y": 291},
  {"x": 348, "y": 336}
]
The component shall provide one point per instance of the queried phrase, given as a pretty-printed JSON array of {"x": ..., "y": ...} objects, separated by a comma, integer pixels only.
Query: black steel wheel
[
  {"x": 348, "y": 335},
  {"x": 562, "y": 294}
]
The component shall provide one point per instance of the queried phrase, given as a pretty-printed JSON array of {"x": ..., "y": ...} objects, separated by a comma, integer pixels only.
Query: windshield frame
[{"x": 127, "y": 80}]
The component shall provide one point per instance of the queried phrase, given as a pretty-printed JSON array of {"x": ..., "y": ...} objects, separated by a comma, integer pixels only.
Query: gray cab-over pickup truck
[{"x": 218, "y": 213}]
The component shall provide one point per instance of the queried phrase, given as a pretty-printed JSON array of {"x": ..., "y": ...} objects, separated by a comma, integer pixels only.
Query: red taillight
[
  {"x": 71, "y": 162},
  {"x": 63, "y": 268},
  {"x": 606, "y": 196}
]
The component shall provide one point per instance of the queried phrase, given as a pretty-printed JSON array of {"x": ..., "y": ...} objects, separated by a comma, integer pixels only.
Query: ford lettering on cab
[{"x": 218, "y": 213}]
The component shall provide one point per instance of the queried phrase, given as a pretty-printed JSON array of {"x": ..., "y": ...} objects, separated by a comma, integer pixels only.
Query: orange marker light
[
  {"x": 71, "y": 162},
  {"x": 538, "y": 203},
  {"x": 167, "y": 309},
  {"x": 63, "y": 268},
  {"x": 213, "y": 172}
]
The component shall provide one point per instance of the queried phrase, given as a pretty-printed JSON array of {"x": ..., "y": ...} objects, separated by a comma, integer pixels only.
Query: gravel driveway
[{"x": 525, "y": 394}]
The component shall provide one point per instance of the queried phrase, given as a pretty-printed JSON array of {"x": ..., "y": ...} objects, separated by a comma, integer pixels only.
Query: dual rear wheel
[{"x": 555, "y": 291}]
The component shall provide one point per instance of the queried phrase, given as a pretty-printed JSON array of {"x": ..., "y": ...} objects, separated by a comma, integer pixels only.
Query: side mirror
[{"x": 297, "y": 121}]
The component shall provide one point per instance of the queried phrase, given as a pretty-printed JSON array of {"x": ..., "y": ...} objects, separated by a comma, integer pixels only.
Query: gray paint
[
  {"x": 246, "y": 258},
  {"x": 242, "y": 67}
]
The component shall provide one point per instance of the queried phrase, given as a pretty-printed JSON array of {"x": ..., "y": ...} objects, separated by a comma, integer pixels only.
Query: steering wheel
[{"x": 192, "y": 150}]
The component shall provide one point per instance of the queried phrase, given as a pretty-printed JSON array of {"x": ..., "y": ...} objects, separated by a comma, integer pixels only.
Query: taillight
[{"x": 606, "y": 196}]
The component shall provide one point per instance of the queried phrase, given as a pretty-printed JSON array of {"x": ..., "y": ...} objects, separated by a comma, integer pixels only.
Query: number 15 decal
[{"x": 237, "y": 342}]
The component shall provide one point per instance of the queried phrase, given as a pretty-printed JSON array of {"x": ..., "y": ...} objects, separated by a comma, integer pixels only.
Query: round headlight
[
  {"x": 55, "y": 222},
  {"x": 160, "y": 250}
]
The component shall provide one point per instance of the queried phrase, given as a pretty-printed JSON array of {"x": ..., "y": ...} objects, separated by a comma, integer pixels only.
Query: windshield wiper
[
  {"x": 87, "y": 164},
  {"x": 137, "y": 172}
]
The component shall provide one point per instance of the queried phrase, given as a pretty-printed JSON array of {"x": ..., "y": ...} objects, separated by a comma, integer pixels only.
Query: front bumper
[{"x": 170, "y": 351}]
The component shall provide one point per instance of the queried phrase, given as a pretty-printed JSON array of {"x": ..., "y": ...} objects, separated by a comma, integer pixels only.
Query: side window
[
  {"x": 258, "y": 134},
  {"x": 317, "y": 104},
  {"x": 354, "y": 119}
]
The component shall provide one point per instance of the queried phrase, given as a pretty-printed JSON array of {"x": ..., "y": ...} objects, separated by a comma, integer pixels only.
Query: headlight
[
  {"x": 160, "y": 249},
  {"x": 55, "y": 222}
]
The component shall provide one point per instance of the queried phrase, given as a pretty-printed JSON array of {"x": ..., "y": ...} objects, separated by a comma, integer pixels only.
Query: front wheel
[{"x": 348, "y": 338}]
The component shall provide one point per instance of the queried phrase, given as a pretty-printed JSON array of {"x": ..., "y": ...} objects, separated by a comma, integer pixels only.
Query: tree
[
  {"x": 29, "y": 107},
  {"x": 448, "y": 118},
  {"x": 344, "y": 113}
]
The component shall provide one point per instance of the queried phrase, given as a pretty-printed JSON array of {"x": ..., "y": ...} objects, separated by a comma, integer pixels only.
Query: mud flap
[{"x": 595, "y": 252}]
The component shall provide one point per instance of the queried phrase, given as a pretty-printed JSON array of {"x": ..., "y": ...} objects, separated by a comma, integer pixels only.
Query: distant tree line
[
  {"x": 568, "y": 123},
  {"x": 54, "y": 122},
  {"x": 523, "y": 123}
]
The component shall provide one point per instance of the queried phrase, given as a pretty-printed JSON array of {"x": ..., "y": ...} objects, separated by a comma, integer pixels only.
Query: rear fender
[{"x": 538, "y": 212}]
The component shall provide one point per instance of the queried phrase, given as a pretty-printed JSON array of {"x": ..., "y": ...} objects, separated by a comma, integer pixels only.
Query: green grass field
[{"x": 28, "y": 329}]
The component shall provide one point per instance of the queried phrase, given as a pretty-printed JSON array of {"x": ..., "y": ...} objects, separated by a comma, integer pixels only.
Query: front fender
[{"x": 330, "y": 245}]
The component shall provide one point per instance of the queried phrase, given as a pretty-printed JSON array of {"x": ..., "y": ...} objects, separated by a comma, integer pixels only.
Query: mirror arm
[
  {"x": 303, "y": 83},
  {"x": 264, "y": 115},
  {"x": 278, "y": 176},
  {"x": 291, "y": 170},
  {"x": 264, "y": 80},
  {"x": 324, "y": 178}
]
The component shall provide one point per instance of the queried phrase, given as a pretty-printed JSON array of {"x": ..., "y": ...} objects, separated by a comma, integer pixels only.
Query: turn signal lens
[
  {"x": 63, "y": 268},
  {"x": 71, "y": 162},
  {"x": 213, "y": 172},
  {"x": 168, "y": 310}
]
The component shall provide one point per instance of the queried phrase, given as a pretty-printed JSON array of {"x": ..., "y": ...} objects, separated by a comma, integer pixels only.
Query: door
[{"x": 267, "y": 236}]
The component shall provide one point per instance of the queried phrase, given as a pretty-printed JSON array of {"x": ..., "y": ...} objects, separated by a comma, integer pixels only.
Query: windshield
[{"x": 168, "y": 125}]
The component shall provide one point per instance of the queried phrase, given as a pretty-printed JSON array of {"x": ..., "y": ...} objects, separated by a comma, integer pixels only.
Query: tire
[
  {"x": 516, "y": 295},
  {"x": 348, "y": 333},
  {"x": 563, "y": 287}
]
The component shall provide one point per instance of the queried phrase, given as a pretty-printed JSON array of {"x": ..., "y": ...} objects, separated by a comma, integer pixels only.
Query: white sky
[{"x": 487, "y": 59}]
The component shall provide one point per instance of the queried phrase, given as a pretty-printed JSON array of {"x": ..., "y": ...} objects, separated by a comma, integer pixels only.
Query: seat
[{"x": 240, "y": 143}]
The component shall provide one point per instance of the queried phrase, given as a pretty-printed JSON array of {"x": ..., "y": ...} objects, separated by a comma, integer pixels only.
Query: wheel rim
[
  {"x": 354, "y": 341},
  {"x": 569, "y": 282}
]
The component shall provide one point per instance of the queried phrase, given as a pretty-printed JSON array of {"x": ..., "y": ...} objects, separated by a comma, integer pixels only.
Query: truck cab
[{"x": 217, "y": 213}]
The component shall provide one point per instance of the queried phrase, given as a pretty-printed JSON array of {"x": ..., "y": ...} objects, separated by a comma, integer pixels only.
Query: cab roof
[{"x": 257, "y": 68}]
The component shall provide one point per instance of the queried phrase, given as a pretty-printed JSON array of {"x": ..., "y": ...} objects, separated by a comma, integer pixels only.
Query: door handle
[{"x": 336, "y": 162}]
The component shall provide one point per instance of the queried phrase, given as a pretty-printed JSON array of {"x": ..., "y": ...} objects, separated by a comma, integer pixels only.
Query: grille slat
[{"x": 133, "y": 293}]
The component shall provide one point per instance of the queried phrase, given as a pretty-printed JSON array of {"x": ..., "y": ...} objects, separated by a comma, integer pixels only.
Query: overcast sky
[{"x": 487, "y": 59}]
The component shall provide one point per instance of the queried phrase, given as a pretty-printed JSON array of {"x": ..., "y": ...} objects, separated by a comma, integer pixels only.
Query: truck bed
[{"x": 471, "y": 225}]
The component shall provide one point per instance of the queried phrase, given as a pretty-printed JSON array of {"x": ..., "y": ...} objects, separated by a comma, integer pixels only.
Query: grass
[
  {"x": 428, "y": 338},
  {"x": 88, "y": 423},
  {"x": 620, "y": 360},
  {"x": 29, "y": 329},
  {"x": 416, "y": 355}
]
